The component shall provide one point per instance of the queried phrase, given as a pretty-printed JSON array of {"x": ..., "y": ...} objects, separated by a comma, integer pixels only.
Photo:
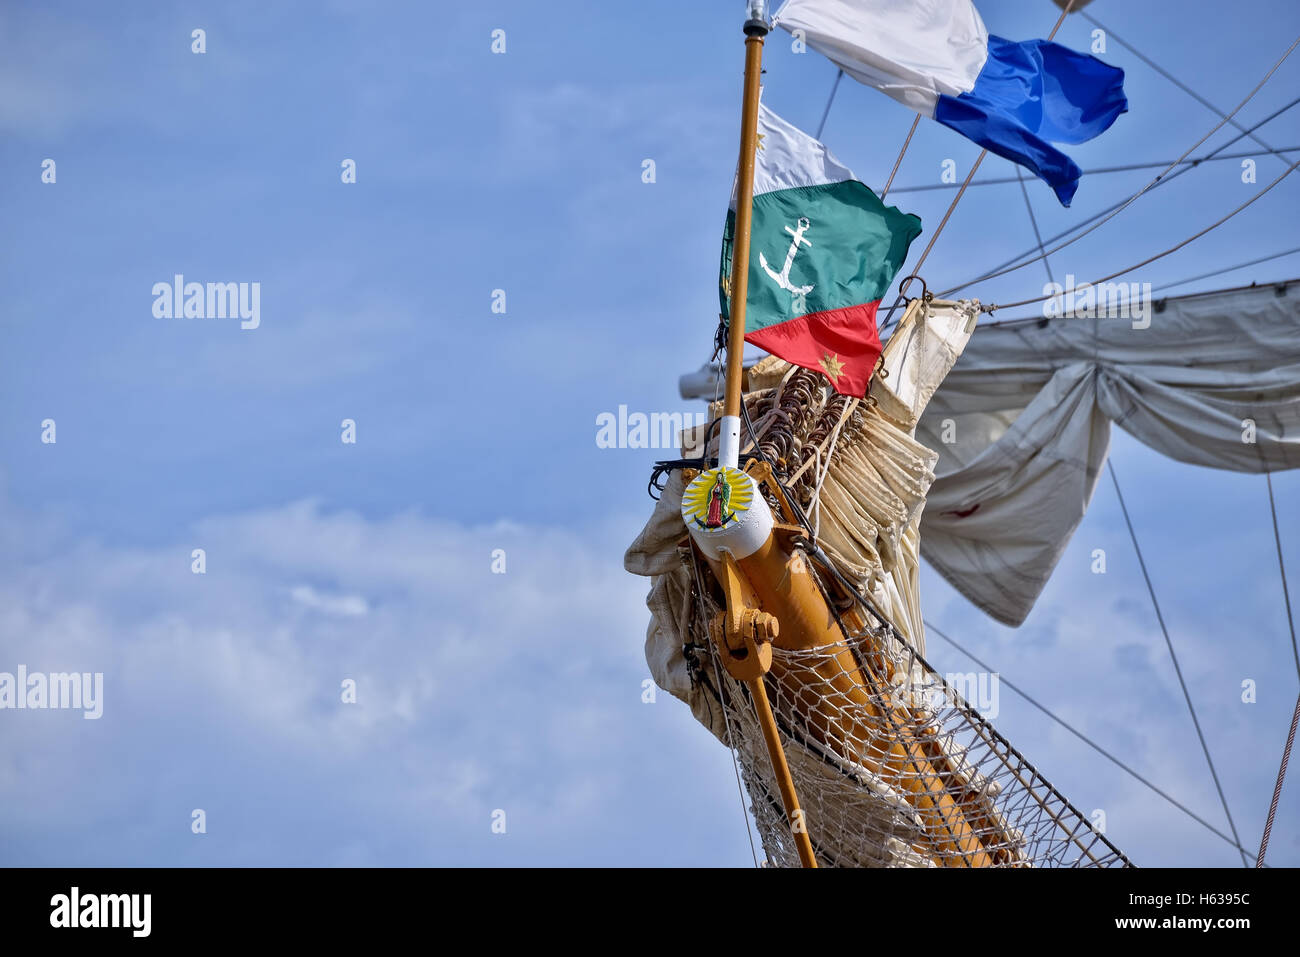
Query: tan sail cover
[
  {"x": 1022, "y": 424},
  {"x": 902, "y": 772},
  {"x": 869, "y": 507}
]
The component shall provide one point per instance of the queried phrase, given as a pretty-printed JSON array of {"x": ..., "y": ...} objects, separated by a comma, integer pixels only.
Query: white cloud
[
  {"x": 475, "y": 691},
  {"x": 349, "y": 605},
  {"x": 518, "y": 691}
]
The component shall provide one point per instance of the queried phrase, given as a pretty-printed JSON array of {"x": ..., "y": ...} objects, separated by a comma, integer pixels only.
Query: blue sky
[{"x": 476, "y": 430}]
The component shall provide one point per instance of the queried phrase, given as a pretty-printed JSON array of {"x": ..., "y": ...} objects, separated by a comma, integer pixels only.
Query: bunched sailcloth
[
  {"x": 1022, "y": 423},
  {"x": 891, "y": 764}
]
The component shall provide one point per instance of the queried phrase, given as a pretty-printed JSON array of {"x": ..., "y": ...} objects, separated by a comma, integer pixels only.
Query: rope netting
[{"x": 892, "y": 765}]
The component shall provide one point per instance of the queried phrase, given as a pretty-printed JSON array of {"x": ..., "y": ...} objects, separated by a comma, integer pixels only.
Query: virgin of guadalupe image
[{"x": 719, "y": 496}]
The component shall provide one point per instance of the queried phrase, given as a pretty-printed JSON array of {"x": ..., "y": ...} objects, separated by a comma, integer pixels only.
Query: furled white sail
[
  {"x": 869, "y": 504},
  {"x": 903, "y": 772}
]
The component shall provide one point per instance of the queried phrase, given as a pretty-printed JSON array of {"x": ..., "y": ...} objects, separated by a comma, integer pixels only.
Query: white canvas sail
[{"x": 1022, "y": 424}]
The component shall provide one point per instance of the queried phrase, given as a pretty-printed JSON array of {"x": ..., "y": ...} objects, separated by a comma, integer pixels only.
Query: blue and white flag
[{"x": 937, "y": 57}]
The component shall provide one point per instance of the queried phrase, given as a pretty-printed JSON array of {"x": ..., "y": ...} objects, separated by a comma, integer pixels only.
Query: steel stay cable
[
  {"x": 831, "y": 99},
  {"x": 1084, "y": 738},
  {"x": 916, "y": 121},
  {"x": 902, "y": 290},
  {"x": 1159, "y": 178},
  {"x": 1175, "y": 81},
  {"x": 1277, "y": 788},
  {"x": 1033, "y": 221},
  {"x": 1178, "y": 671},
  {"x": 1011, "y": 321},
  {"x": 1213, "y": 154},
  {"x": 1295, "y": 649},
  {"x": 1126, "y": 168},
  {"x": 1150, "y": 259}
]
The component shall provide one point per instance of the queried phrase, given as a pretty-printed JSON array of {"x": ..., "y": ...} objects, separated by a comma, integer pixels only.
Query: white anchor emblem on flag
[{"x": 782, "y": 278}]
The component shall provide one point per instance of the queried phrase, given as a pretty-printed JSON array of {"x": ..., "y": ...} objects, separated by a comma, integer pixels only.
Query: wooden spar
[
  {"x": 738, "y": 292},
  {"x": 744, "y": 639},
  {"x": 770, "y": 590},
  {"x": 846, "y": 698},
  {"x": 781, "y": 769},
  {"x": 729, "y": 435},
  {"x": 783, "y": 585},
  {"x": 832, "y": 682}
]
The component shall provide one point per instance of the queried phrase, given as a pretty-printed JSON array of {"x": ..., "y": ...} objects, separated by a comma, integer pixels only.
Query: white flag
[{"x": 912, "y": 50}]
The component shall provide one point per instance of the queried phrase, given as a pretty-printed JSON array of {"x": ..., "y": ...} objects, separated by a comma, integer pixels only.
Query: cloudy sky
[{"x": 475, "y": 430}]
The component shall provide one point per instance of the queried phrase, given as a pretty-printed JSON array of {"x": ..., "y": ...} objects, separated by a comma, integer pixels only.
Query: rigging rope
[
  {"x": 1174, "y": 657},
  {"x": 1213, "y": 154},
  {"x": 1150, "y": 259},
  {"x": 1219, "y": 272},
  {"x": 1160, "y": 177},
  {"x": 902, "y": 290},
  {"x": 1033, "y": 221},
  {"x": 1084, "y": 738},
  {"x": 990, "y": 739},
  {"x": 1126, "y": 168},
  {"x": 1295, "y": 717},
  {"x": 916, "y": 121},
  {"x": 1281, "y": 567},
  {"x": 831, "y": 99},
  {"x": 1169, "y": 285},
  {"x": 1277, "y": 789},
  {"x": 1177, "y": 82}
]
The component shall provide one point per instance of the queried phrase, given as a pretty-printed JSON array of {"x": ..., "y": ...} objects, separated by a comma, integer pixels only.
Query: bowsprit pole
[{"x": 729, "y": 431}]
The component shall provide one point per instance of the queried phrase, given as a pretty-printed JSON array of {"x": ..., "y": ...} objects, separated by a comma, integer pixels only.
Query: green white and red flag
[{"x": 824, "y": 250}]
